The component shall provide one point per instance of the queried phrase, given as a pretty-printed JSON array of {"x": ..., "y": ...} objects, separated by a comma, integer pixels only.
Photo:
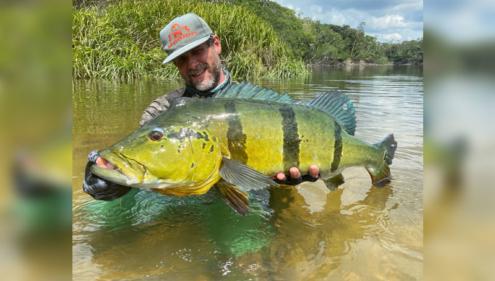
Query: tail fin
[
  {"x": 380, "y": 174},
  {"x": 390, "y": 145}
]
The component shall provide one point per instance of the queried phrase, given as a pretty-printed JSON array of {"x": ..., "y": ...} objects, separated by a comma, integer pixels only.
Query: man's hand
[
  {"x": 97, "y": 187},
  {"x": 295, "y": 176}
]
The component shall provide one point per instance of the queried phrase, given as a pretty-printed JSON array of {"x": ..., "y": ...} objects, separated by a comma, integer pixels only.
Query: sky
[
  {"x": 387, "y": 20},
  {"x": 462, "y": 21}
]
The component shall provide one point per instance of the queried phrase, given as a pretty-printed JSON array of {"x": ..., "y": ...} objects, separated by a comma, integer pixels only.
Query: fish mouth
[
  {"x": 122, "y": 170},
  {"x": 117, "y": 168},
  {"x": 112, "y": 175}
]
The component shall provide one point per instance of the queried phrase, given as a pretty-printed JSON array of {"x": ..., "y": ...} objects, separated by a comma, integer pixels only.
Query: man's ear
[{"x": 217, "y": 44}]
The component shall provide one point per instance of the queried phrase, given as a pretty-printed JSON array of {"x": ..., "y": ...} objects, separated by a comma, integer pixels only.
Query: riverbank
[
  {"x": 359, "y": 64},
  {"x": 120, "y": 41}
]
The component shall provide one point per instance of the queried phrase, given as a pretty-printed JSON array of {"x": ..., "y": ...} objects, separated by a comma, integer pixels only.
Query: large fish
[{"x": 238, "y": 141}]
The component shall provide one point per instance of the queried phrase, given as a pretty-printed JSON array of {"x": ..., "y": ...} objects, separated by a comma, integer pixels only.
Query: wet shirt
[{"x": 162, "y": 103}]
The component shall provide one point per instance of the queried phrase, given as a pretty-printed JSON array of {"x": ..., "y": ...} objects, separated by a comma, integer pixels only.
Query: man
[{"x": 195, "y": 50}]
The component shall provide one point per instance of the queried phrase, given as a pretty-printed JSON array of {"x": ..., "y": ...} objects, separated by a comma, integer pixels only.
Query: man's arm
[
  {"x": 156, "y": 107},
  {"x": 159, "y": 105}
]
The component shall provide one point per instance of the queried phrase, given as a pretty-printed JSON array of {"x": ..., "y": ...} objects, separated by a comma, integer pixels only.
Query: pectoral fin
[
  {"x": 237, "y": 199},
  {"x": 242, "y": 176}
]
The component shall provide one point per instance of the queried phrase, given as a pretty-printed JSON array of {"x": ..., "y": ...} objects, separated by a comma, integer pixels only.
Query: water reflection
[
  {"x": 318, "y": 240},
  {"x": 308, "y": 232}
]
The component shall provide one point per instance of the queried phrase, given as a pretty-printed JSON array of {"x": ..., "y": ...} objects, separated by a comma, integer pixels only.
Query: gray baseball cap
[{"x": 183, "y": 34}]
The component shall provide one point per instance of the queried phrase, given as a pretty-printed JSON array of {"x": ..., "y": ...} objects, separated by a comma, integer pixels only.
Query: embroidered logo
[{"x": 178, "y": 33}]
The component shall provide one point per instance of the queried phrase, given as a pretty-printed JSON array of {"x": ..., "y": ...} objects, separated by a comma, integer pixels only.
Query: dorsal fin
[
  {"x": 249, "y": 91},
  {"x": 339, "y": 106},
  {"x": 335, "y": 103}
]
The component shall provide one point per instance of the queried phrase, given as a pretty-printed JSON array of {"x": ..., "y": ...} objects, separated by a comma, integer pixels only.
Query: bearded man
[{"x": 195, "y": 50}]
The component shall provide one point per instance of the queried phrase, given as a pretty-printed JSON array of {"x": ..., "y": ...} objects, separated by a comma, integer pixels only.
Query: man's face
[{"x": 201, "y": 67}]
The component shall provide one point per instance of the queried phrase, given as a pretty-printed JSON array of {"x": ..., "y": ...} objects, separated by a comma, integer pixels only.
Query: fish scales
[
  {"x": 238, "y": 143},
  {"x": 272, "y": 137}
]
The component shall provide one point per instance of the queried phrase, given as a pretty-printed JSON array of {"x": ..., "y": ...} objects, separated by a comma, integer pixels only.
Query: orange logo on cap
[{"x": 178, "y": 33}]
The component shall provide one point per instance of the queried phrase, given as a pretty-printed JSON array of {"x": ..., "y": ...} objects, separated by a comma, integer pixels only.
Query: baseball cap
[{"x": 183, "y": 34}]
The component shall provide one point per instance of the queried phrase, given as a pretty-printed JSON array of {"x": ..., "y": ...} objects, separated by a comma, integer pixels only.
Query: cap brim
[{"x": 184, "y": 49}]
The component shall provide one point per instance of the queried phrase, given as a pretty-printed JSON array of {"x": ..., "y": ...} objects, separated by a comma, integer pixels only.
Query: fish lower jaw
[
  {"x": 156, "y": 185},
  {"x": 187, "y": 188}
]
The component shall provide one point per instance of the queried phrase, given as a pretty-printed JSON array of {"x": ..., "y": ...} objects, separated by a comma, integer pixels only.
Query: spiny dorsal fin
[
  {"x": 339, "y": 106},
  {"x": 336, "y": 104},
  {"x": 249, "y": 91}
]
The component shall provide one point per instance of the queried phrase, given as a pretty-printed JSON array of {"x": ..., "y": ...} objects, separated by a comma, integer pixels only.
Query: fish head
[{"x": 157, "y": 157}]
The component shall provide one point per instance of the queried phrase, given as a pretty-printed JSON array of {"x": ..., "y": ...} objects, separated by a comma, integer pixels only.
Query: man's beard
[{"x": 208, "y": 83}]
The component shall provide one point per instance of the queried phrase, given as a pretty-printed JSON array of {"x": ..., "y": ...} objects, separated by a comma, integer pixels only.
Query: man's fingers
[
  {"x": 280, "y": 176},
  {"x": 295, "y": 177},
  {"x": 294, "y": 173},
  {"x": 314, "y": 171}
]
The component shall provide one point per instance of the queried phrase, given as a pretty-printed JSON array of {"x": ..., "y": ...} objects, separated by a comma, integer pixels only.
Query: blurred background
[
  {"x": 35, "y": 140},
  {"x": 459, "y": 144}
]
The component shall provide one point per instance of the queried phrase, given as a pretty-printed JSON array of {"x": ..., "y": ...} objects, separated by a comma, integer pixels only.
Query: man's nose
[{"x": 191, "y": 61}]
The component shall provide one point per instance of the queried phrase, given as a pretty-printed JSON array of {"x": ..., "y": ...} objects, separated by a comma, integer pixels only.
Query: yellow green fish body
[{"x": 239, "y": 140}]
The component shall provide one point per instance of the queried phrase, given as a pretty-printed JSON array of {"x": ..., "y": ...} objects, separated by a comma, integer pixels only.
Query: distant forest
[
  {"x": 319, "y": 43},
  {"x": 118, "y": 39}
]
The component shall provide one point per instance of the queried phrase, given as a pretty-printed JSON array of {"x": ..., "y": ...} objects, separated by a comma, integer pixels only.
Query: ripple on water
[
  {"x": 358, "y": 231},
  {"x": 138, "y": 207}
]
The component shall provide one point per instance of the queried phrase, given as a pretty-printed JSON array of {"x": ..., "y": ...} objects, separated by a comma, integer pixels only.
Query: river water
[{"x": 357, "y": 232}]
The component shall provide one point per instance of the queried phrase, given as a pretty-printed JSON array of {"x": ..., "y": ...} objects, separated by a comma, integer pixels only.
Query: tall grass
[{"x": 121, "y": 41}]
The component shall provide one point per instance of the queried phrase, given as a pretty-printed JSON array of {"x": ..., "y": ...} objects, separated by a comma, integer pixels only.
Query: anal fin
[
  {"x": 379, "y": 177},
  {"x": 237, "y": 199},
  {"x": 334, "y": 182}
]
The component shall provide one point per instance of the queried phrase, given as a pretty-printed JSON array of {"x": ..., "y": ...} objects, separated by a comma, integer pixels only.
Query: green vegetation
[
  {"x": 121, "y": 40},
  {"x": 410, "y": 52},
  {"x": 319, "y": 43}
]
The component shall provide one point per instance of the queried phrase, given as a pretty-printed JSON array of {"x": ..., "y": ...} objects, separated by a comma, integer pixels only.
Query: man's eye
[
  {"x": 178, "y": 61},
  {"x": 199, "y": 50}
]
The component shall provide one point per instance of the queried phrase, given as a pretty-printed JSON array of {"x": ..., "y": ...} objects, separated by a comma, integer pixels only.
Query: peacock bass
[{"x": 238, "y": 141}]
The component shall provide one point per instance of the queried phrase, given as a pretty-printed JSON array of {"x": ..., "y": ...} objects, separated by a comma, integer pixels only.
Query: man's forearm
[
  {"x": 156, "y": 107},
  {"x": 159, "y": 105}
]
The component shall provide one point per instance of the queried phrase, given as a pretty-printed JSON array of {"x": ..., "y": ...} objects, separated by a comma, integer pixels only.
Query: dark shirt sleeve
[{"x": 159, "y": 105}]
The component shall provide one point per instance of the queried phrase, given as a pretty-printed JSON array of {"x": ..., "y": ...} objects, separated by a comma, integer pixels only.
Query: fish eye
[{"x": 155, "y": 135}]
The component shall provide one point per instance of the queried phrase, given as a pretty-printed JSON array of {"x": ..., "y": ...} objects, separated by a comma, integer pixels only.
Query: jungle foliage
[
  {"x": 119, "y": 39},
  {"x": 319, "y": 43}
]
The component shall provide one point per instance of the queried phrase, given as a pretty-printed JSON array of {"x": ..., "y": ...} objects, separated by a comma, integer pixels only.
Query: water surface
[{"x": 357, "y": 232}]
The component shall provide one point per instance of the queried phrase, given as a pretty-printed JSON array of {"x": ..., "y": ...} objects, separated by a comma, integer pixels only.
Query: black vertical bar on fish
[
  {"x": 291, "y": 137},
  {"x": 236, "y": 138},
  {"x": 337, "y": 148}
]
